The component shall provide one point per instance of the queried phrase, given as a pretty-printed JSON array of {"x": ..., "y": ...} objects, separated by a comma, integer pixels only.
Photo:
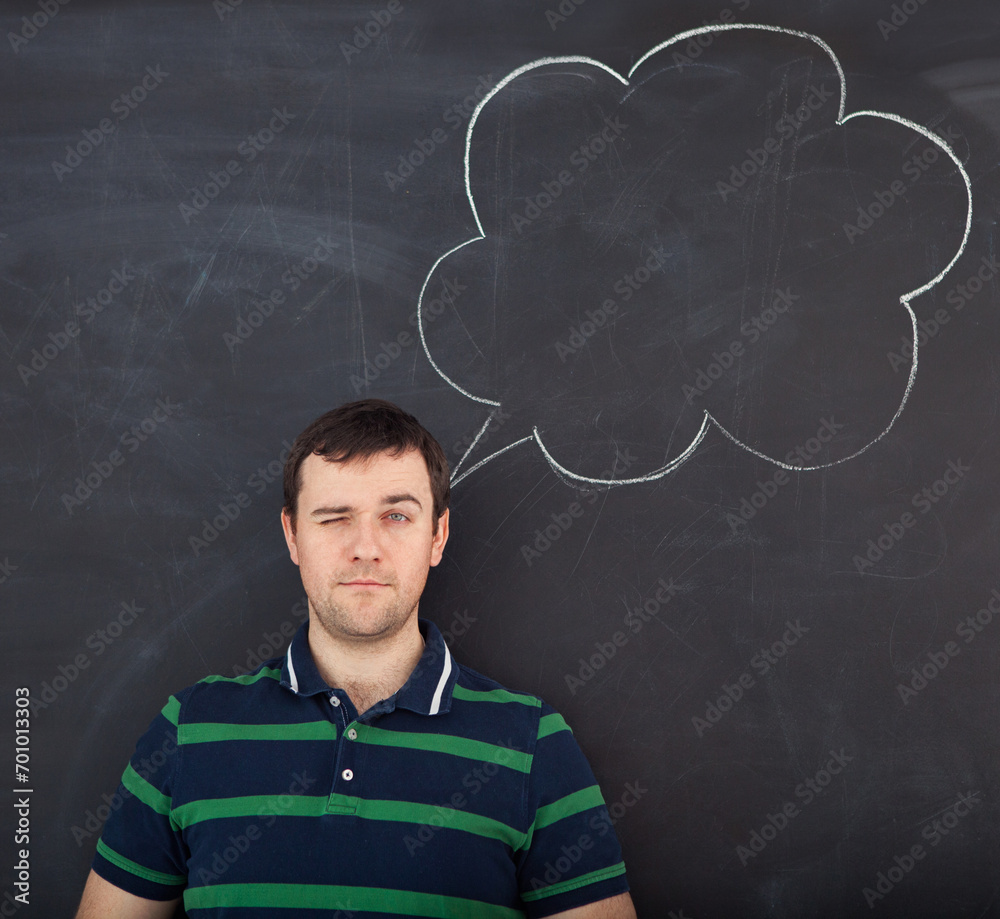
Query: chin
[{"x": 360, "y": 624}]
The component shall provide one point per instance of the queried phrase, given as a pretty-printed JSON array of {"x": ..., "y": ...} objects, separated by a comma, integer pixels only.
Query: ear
[
  {"x": 440, "y": 538},
  {"x": 289, "y": 528}
]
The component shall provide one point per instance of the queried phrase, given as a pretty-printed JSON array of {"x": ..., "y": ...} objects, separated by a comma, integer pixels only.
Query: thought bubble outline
[{"x": 708, "y": 418}]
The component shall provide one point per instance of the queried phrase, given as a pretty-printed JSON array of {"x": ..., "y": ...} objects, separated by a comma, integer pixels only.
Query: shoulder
[
  {"x": 471, "y": 683},
  {"x": 216, "y": 695},
  {"x": 486, "y": 699},
  {"x": 472, "y": 686}
]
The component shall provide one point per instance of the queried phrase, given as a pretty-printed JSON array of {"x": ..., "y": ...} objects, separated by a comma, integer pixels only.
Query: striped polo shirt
[{"x": 267, "y": 795}]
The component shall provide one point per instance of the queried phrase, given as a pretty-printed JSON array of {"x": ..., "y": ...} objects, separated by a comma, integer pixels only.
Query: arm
[
  {"x": 619, "y": 907},
  {"x": 141, "y": 857},
  {"x": 571, "y": 864},
  {"x": 102, "y": 900}
]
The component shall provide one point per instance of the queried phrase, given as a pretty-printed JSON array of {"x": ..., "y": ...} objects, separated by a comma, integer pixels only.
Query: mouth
[{"x": 362, "y": 582}]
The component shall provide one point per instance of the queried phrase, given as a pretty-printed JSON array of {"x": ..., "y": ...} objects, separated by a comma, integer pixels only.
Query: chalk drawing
[{"x": 708, "y": 420}]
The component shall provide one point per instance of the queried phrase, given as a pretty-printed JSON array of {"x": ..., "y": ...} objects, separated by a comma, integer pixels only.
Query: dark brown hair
[{"x": 361, "y": 430}]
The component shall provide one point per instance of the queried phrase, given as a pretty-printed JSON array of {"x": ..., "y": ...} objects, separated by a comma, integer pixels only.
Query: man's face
[{"x": 364, "y": 541}]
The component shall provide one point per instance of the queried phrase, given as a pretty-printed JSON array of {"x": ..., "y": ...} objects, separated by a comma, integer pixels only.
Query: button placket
[
  {"x": 340, "y": 713},
  {"x": 343, "y": 799},
  {"x": 351, "y": 734}
]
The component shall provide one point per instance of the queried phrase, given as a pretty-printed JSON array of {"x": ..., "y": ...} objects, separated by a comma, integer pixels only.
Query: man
[{"x": 364, "y": 773}]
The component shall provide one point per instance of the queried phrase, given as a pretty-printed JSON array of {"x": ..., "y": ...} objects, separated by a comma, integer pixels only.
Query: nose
[{"x": 366, "y": 546}]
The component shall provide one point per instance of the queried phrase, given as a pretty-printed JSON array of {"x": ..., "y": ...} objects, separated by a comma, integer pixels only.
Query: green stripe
[
  {"x": 552, "y": 724},
  {"x": 592, "y": 877},
  {"x": 494, "y": 695},
  {"x": 207, "y": 732},
  {"x": 172, "y": 710},
  {"x": 134, "y": 868},
  {"x": 145, "y": 792},
  {"x": 316, "y": 806},
  {"x": 247, "y": 678},
  {"x": 249, "y": 806},
  {"x": 575, "y": 803},
  {"x": 349, "y": 899},
  {"x": 446, "y": 743},
  {"x": 438, "y": 815}
]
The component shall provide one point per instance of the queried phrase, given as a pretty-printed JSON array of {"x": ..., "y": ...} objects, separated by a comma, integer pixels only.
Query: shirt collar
[{"x": 427, "y": 691}]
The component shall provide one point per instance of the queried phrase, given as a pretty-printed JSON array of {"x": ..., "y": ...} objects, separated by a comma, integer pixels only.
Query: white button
[
  {"x": 352, "y": 734},
  {"x": 334, "y": 701},
  {"x": 347, "y": 775}
]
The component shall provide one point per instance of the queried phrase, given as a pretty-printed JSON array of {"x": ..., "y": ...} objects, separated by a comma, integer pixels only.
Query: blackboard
[{"x": 675, "y": 257}]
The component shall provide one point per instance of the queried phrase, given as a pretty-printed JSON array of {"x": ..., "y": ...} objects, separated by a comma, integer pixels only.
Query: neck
[{"x": 368, "y": 670}]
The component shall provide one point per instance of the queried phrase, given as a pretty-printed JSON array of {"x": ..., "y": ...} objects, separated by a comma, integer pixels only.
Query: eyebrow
[{"x": 401, "y": 498}]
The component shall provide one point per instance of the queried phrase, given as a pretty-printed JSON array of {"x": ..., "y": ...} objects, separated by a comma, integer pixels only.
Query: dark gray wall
[{"x": 740, "y": 787}]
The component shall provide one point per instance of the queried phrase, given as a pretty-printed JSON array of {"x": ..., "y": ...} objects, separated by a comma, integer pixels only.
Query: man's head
[
  {"x": 360, "y": 431},
  {"x": 365, "y": 518}
]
